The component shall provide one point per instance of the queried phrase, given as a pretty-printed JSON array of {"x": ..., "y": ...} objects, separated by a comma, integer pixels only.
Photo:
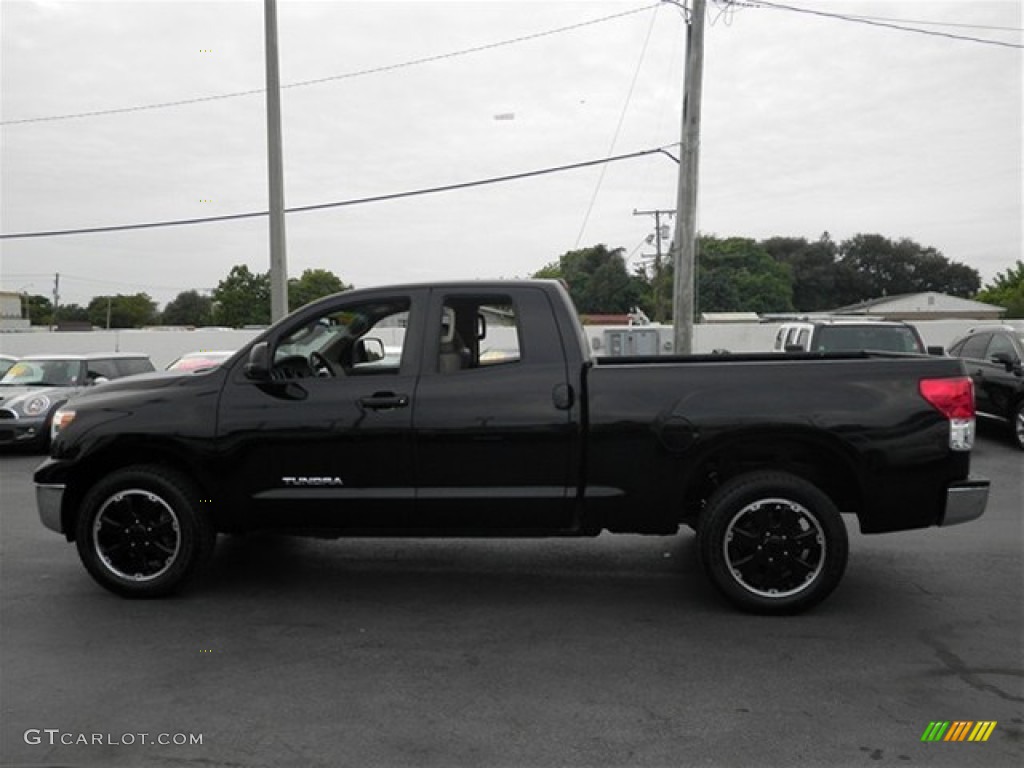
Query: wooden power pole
[{"x": 685, "y": 242}]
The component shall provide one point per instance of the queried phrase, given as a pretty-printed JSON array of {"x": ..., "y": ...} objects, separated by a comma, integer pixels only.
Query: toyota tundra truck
[{"x": 477, "y": 409}]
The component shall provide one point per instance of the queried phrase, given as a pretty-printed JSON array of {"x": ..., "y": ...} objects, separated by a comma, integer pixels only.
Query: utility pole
[
  {"x": 278, "y": 258},
  {"x": 685, "y": 242},
  {"x": 56, "y": 301},
  {"x": 659, "y": 312}
]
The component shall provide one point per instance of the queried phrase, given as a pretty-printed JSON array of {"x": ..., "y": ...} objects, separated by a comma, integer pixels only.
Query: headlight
[
  {"x": 36, "y": 405},
  {"x": 61, "y": 419}
]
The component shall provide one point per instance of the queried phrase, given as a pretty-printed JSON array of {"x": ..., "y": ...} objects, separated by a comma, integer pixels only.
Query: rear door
[{"x": 496, "y": 418}]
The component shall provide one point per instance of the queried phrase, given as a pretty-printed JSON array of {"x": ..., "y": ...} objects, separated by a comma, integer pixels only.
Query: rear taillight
[{"x": 954, "y": 399}]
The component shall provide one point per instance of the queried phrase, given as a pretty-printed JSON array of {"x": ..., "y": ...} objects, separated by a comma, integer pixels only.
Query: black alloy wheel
[
  {"x": 141, "y": 533},
  {"x": 773, "y": 543}
]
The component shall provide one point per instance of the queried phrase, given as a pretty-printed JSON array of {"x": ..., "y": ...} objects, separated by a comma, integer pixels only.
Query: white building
[
  {"x": 923, "y": 306},
  {"x": 11, "y": 312}
]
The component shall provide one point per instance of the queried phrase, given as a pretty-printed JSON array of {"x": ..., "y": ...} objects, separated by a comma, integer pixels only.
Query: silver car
[{"x": 36, "y": 386}]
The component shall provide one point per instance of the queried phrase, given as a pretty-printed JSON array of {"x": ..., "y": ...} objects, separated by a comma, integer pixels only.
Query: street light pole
[{"x": 685, "y": 244}]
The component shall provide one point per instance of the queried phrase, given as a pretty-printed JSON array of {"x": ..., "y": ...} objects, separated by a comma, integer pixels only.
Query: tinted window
[
  {"x": 974, "y": 346},
  {"x": 886, "y": 338},
  {"x": 133, "y": 365},
  {"x": 102, "y": 367},
  {"x": 1001, "y": 343}
]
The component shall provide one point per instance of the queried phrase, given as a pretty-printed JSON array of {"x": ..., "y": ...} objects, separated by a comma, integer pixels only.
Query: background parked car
[
  {"x": 6, "y": 363},
  {"x": 842, "y": 335},
  {"x": 994, "y": 358},
  {"x": 193, "y": 362},
  {"x": 36, "y": 386}
]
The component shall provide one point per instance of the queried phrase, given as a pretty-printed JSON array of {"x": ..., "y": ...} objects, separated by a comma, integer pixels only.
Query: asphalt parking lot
[{"x": 604, "y": 652}]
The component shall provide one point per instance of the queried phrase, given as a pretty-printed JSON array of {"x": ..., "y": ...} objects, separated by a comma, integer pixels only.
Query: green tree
[
  {"x": 598, "y": 280},
  {"x": 188, "y": 308},
  {"x": 242, "y": 298},
  {"x": 816, "y": 277},
  {"x": 121, "y": 311},
  {"x": 313, "y": 284},
  {"x": 70, "y": 313},
  {"x": 876, "y": 266},
  {"x": 40, "y": 310},
  {"x": 737, "y": 274},
  {"x": 1006, "y": 290}
]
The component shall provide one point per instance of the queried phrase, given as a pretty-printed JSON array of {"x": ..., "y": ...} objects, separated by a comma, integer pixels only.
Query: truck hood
[{"x": 147, "y": 382}]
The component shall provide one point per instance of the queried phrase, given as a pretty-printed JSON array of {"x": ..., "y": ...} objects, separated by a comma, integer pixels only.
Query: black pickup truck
[{"x": 476, "y": 409}]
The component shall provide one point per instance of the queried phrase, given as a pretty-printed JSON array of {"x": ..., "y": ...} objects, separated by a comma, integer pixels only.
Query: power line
[
  {"x": 871, "y": 21},
  {"x": 618, "y": 129},
  {"x": 342, "y": 76},
  {"x": 343, "y": 203}
]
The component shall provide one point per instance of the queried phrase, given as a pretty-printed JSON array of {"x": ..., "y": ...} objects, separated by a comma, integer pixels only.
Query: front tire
[
  {"x": 772, "y": 543},
  {"x": 1017, "y": 425},
  {"x": 141, "y": 533}
]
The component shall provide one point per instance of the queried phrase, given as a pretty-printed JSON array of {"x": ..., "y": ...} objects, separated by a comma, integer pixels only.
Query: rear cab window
[{"x": 478, "y": 332}]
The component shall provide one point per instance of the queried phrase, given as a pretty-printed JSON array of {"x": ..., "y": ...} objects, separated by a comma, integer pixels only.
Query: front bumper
[
  {"x": 965, "y": 501},
  {"x": 48, "y": 500},
  {"x": 18, "y": 431}
]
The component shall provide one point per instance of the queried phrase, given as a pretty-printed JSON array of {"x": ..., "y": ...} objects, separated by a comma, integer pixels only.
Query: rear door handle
[{"x": 382, "y": 401}]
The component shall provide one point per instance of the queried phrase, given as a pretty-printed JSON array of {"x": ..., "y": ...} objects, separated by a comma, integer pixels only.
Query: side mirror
[
  {"x": 795, "y": 348},
  {"x": 369, "y": 350},
  {"x": 481, "y": 326},
  {"x": 258, "y": 366},
  {"x": 1004, "y": 359},
  {"x": 937, "y": 351}
]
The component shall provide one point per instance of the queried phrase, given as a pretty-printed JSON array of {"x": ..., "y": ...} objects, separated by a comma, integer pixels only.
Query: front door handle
[{"x": 383, "y": 401}]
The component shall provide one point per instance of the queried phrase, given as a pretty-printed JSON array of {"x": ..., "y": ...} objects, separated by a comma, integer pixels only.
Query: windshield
[
  {"x": 43, "y": 373},
  {"x": 847, "y": 338}
]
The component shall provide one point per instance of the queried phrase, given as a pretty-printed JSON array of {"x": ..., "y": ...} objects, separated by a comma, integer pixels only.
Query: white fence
[{"x": 163, "y": 346}]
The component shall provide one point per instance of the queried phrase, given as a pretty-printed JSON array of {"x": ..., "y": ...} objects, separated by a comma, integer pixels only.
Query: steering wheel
[{"x": 321, "y": 368}]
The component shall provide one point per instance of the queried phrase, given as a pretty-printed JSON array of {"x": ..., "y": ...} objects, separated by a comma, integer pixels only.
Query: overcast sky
[{"x": 809, "y": 124}]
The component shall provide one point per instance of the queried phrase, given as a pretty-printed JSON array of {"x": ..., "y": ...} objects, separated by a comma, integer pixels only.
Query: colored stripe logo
[{"x": 959, "y": 730}]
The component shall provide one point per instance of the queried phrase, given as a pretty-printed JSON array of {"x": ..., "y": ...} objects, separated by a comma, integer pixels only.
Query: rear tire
[
  {"x": 141, "y": 533},
  {"x": 772, "y": 543},
  {"x": 1017, "y": 425}
]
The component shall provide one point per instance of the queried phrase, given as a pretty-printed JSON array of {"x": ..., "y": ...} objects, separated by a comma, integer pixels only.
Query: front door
[{"x": 325, "y": 442}]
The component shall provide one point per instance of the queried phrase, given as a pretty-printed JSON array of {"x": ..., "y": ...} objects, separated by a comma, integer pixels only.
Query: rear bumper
[
  {"x": 48, "y": 501},
  {"x": 965, "y": 501}
]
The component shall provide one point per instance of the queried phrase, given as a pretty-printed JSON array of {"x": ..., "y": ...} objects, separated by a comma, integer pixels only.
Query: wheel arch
[
  {"x": 131, "y": 453},
  {"x": 821, "y": 460}
]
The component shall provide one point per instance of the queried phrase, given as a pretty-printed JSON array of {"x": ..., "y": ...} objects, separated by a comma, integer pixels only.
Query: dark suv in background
[{"x": 994, "y": 356}]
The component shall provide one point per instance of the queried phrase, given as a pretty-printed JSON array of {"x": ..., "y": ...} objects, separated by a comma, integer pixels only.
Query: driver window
[{"x": 362, "y": 339}]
